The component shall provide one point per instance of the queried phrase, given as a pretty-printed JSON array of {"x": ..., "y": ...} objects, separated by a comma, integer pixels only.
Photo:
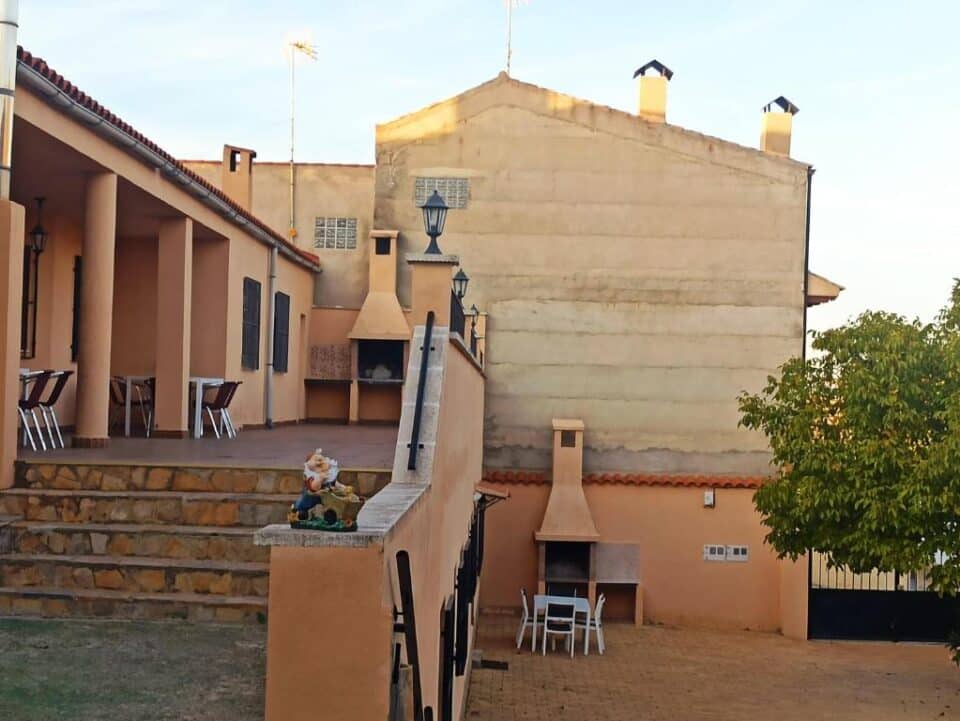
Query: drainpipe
[
  {"x": 271, "y": 300},
  {"x": 8, "y": 76},
  {"x": 806, "y": 262}
]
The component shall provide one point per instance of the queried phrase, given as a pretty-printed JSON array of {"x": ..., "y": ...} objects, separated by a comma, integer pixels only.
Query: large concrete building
[{"x": 635, "y": 274}]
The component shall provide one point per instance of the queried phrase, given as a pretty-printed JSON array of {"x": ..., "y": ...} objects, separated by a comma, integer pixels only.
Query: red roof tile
[
  {"x": 41, "y": 67},
  {"x": 630, "y": 479}
]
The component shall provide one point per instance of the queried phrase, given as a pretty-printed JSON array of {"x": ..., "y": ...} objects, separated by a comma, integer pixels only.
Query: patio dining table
[
  {"x": 580, "y": 605},
  {"x": 200, "y": 384}
]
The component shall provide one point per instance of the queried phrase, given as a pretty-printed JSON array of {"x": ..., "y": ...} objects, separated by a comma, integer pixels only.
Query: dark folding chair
[
  {"x": 221, "y": 406},
  {"x": 30, "y": 405},
  {"x": 47, "y": 409}
]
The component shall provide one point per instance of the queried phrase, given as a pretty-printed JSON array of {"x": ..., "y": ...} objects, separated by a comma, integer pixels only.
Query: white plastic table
[
  {"x": 580, "y": 605},
  {"x": 130, "y": 382},
  {"x": 201, "y": 383}
]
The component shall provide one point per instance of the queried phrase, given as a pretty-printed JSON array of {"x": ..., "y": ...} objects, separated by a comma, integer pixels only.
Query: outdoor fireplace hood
[
  {"x": 568, "y": 516},
  {"x": 381, "y": 317}
]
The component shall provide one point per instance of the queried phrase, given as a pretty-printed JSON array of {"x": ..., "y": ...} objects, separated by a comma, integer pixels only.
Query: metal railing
[
  {"x": 458, "y": 319},
  {"x": 421, "y": 389}
]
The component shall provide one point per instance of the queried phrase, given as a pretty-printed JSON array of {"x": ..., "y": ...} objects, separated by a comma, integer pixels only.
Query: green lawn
[{"x": 122, "y": 670}]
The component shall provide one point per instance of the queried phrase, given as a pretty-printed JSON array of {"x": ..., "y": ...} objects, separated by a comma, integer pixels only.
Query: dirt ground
[
  {"x": 655, "y": 673},
  {"x": 121, "y": 671}
]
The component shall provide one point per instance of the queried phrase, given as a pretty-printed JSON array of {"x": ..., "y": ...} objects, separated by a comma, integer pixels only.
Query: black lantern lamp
[
  {"x": 434, "y": 218},
  {"x": 460, "y": 281},
  {"x": 38, "y": 236}
]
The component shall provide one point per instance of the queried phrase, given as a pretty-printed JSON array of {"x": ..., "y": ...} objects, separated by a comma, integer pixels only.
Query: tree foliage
[{"x": 866, "y": 437}]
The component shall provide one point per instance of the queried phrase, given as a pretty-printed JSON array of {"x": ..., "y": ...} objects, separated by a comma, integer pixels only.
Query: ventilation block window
[
  {"x": 568, "y": 439},
  {"x": 281, "y": 332},
  {"x": 383, "y": 246},
  {"x": 454, "y": 191},
  {"x": 333, "y": 233},
  {"x": 250, "y": 350}
]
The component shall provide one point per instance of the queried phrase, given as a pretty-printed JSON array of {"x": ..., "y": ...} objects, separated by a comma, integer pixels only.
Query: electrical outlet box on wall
[
  {"x": 714, "y": 552},
  {"x": 737, "y": 554}
]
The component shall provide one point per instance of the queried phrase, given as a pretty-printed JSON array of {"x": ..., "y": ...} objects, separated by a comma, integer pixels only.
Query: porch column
[
  {"x": 174, "y": 290},
  {"x": 96, "y": 312},
  {"x": 11, "y": 292}
]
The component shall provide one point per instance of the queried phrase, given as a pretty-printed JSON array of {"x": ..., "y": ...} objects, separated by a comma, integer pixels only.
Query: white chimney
[{"x": 652, "y": 104}]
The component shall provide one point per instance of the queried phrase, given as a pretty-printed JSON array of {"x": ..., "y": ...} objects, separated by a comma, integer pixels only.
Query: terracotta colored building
[{"x": 628, "y": 278}]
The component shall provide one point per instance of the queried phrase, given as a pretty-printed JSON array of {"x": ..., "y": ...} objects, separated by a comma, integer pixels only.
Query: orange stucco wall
[
  {"x": 222, "y": 255},
  {"x": 55, "y": 310},
  {"x": 327, "y": 609},
  {"x": 434, "y": 532},
  {"x": 134, "y": 345},
  {"x": 671, "y": 526},
  {"x": 331, "y": 607}
]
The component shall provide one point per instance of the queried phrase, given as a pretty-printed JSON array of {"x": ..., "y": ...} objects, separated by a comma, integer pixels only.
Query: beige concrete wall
[
  {"x": 636, "y": 275},
  {"x": 671, "y": 526},
  {"x": 323, "y": 190}
]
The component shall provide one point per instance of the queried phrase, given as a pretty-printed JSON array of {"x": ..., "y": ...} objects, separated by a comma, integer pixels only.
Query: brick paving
[{"x": 659, "y": 673}]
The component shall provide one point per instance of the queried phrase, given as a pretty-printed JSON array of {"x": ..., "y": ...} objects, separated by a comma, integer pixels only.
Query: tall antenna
[
  {"x": 510, "y": 5},
  {"x": 303, "y": 47}
]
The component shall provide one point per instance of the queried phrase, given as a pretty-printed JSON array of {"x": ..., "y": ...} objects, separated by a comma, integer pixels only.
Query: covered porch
[{"x": 357, "y": 447}]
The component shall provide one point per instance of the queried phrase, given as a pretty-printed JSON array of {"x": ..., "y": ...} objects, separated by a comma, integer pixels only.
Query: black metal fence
[
  {"x": 458, "y": 320},
  {"x": 891, "y": 606}
]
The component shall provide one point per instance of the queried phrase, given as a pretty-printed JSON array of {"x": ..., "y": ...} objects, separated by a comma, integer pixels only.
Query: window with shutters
[
  {"x": 454, "y": 191},
  {"x": 250, "y": 351},
  {"x": 281, "y": 332},
  {"x": 335, "y": 233}
]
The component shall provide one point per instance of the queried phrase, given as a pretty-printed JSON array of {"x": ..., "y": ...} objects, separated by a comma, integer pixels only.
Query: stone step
[
  {"x": 148, "y": 477},
  {"x": 86, "y": 603},
  {"x": 143, "y": 574},
  {"x": 217, "y": 543},
  {"x": 158, "y": 507}
]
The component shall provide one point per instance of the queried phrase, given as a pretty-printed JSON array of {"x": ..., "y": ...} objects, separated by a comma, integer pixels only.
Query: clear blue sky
[{"x": 876, "y": 83}]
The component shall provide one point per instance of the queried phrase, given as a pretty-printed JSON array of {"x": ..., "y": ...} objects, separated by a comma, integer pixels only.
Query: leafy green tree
[{"x": 866, "y": 438}]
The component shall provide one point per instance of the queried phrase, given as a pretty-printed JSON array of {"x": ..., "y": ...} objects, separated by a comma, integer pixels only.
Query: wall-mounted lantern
[
  {"x": 434, "y": 218},
  {"x": 460, "y": 281},
  {"x": 38, "y": 236}
]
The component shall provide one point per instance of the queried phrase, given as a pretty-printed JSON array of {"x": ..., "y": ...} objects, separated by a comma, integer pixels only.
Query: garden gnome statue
[{"x": 325, "y": 504}]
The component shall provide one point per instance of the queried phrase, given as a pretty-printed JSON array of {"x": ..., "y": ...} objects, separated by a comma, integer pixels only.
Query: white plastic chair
[
  {"x": 526, "y": 620},
  {"x": 559, "y": 621},
  {"x": 596, "y": 625}
]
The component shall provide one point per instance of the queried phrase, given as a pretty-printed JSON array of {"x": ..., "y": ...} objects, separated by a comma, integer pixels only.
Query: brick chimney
[
  {"x": 237, "y": 175},
  {"x": 652, "y": 90},
  {"x": 777, "y": 126}
]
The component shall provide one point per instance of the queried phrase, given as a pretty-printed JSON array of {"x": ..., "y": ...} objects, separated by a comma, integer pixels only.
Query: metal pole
[
  {"x": 509, "y": 33},
  {"x": 8, "y": 74},
  {"x": 293, "y": 63}
]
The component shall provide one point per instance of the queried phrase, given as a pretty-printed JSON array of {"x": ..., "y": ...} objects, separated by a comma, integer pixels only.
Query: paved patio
[
  {"x": 282, "y": 447},
  {"x": 656, "y": 673}
]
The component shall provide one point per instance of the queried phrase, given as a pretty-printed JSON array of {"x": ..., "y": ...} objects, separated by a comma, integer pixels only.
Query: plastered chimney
[
  {"x": 652, "y": 90},
  {"x": 568, "y": 516},
  {"x": 237, "y": 175},
  {"x": 777, "y": 126}
]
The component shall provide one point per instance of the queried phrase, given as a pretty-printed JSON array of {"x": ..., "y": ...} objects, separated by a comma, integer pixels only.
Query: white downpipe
[
  {"x": 271, "y": 312},
  {"x": 9, "y": 14}
]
